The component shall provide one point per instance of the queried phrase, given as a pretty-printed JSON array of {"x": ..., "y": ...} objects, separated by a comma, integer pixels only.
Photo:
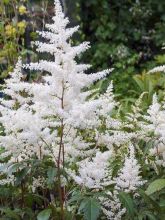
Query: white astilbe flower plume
[
  {"x": 14, "y": 86},
  {"x": 61, "y": 96},
  {"x": 58, "y": 102},
  {"x": 155, "y": 126},
  {"x": 129, "y": 178},
  {"x": 23, "y": 129},
  {"x": 158, "y": 69},
  {"x": 112, "y": 207},
  {"x": 61, "y": 93},
  {"x": 94, "y": 173}
]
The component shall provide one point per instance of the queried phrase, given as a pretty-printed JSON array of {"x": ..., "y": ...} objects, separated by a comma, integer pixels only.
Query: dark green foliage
[
  {"x": 18, "y": 21},
  {"x": 125, "y": 34},
  {"x": 155, "y": 186},
  {"x": 44, "y": 215}
]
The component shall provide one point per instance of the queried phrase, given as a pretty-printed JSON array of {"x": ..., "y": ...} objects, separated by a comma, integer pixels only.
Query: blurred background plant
[
  {"x": 18, "y": 20},
  {"x": 127, "y": 35},
  {"x": 12, "y": 30}
]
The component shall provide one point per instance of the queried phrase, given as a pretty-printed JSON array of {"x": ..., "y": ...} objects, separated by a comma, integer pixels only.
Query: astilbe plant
[{"x": 61, "y": 144}]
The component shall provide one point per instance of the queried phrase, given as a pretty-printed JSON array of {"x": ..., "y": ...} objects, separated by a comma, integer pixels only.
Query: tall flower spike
[
  {"x": 94, "y": 173},
  {"x": 155, "y": 124},
  {"x": 58, "y": 8},
  {"x": 65, "y": 79},
  {"x": 158, "y": 69},
  {"x": 22, "y": 139},
  {"x": 58, "y": 101},
  {"x": 14, "y": 85},
  {"x": 129, "y": 179}
]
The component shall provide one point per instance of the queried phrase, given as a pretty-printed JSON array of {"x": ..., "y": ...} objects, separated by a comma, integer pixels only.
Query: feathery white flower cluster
[
  {"x": 57, "y": 101},
  {"x": 33, "y": 113},
  {"x": 156, "y": 124},
  {"x": 60, "y": 101},
  {"x": 38, "y": 182},
  {"x": 154, "y": 128},
  {"x": 127, "y": 180},
  {"x": 94, "y": 173},
  {"x": 56, "y": 118},
  {"x": 9, "y": 180},
  {"x": 158, "y": 69},
  {"x": 112, "y": 207}
]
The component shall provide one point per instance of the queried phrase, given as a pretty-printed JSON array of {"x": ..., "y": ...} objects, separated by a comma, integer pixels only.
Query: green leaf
[
  {"x": 31, "y": 198},
  {"x": 127, "y": 202},
  {"x": 10, "y": 213},
  {"x": 91, "y": 208},
  {"x": 155, "y": 186},
  {"x": 139, "y": 83},
  {"x": 76, "y": 196},
  {"x": 22, "y": 175},
  {"x": 44, "y": 215},
  {"x": 14, "y": 167},
  {"x": 6, "y": 1},
  {"x": 150, "y": 201},
  {"x": 51, "y": 173},
  {"x": 148, "y": 214}
]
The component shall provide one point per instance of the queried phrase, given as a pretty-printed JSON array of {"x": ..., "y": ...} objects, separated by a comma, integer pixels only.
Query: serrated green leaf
[
  {"x": 91, "y": 208},
  {"x": 76, "y": 196},
  {"x": 155, "y": 186}
]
